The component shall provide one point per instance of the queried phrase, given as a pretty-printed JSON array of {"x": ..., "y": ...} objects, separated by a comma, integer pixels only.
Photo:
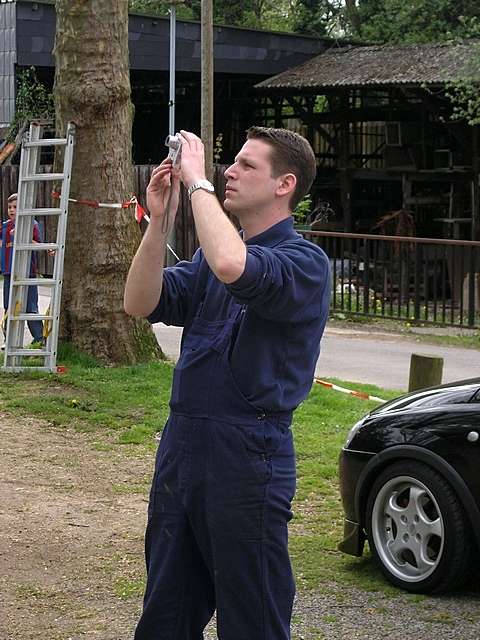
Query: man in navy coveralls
[{"x": 253, "y": 306}]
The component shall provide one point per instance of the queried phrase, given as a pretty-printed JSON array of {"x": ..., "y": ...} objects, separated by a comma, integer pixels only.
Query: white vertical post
[
  {"x": 171, "y": 107},
  {"x": 171, "y": 103}
]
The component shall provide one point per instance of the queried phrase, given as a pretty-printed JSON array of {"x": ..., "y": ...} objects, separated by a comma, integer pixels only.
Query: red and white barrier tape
[
  {"x": 95, "y": 204},
  {"x": 352, "y": 392},
  {"x": 139, "y": 213}
]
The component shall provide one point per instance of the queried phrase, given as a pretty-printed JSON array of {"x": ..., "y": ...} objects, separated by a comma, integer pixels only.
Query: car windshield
[{"x": 433, "y": 398}]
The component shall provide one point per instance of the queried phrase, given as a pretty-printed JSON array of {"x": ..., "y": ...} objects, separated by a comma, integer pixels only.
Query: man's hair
[
  {"x": 12, "y": 197},
  {"x": 291, "y": 153}
]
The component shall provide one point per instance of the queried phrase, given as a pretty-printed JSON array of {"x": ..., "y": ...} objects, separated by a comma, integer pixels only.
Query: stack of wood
[{"x": 8, "y": 150}]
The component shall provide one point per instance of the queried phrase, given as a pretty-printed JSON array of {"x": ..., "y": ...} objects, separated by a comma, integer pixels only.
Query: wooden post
[
  {"x": 344, "y": 163},
  {"x": 207, "y": 85},
  {"x": 425, "y": 371},
  {"x": 406, "y": 191}
]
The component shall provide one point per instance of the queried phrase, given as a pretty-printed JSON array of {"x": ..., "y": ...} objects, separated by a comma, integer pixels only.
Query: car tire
[{"x": 417, "y": 529}]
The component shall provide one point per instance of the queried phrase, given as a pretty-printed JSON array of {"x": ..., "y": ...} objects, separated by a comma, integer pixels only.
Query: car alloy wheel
[{"x": 416, "y": 528}]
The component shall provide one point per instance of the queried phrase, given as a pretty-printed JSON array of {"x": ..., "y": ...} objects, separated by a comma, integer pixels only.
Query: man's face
[
  {"x": 250, "y": 185},
  {"x": 12, "y": 209}
]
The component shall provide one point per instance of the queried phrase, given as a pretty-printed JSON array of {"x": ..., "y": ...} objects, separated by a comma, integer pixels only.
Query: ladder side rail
[
  {"x": 10, "y": 328},
  {"x": 52, "y": 340},
  {"x": 15, "y": 330},
  {"x": 27, "y": 199},
  {"x": 20, "y": 263}
]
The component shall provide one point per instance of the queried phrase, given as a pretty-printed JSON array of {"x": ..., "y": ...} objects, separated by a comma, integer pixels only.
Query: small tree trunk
[{"x": 92, "y": 89}]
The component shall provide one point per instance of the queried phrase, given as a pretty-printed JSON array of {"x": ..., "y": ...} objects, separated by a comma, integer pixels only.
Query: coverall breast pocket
[{"x": 192, "y": 377}]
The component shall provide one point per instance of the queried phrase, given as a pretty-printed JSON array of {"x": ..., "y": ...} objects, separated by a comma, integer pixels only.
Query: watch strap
[{"x": 201, "y": 184}]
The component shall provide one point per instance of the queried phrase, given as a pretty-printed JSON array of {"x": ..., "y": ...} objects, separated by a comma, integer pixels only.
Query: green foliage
[
  {"x": 131, "y": 402},
  {"x": 465, "y": 99},
  {"x": 317, "y": 17},
  {"x": 218, "y": 149},
  {"x": 160, "y": 8},
  {"x": 69, "y": 354},
  {"x": 463, "y": 93},
  {"x": 264, "y": 14},
  {"x": 416, "y": 20},
  {"x": 302, "y": 209},
  {"x": 127, "y": 588},
  {"x": 371, "y": 20},
  {"x": 33, "y": 101},
  {"x": 321, "y": 104}
]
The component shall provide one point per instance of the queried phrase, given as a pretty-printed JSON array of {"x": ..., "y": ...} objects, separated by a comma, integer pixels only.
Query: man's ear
[{"x": 286, "y": 184}]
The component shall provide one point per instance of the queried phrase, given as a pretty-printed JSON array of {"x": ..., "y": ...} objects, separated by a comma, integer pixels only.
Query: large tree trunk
[{"x": 92, "y": 88}]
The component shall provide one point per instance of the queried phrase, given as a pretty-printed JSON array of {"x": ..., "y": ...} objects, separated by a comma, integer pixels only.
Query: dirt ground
[
  {"x": 72, "y": 516},
  {"x": 72, "y": 528}
]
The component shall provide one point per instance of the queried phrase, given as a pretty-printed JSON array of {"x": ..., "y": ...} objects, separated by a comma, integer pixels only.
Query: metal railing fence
[{"x": 423, "y": 280}]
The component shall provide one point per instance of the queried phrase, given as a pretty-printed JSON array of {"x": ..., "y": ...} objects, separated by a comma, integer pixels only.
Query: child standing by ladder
[{"x": 8, "y": 230}]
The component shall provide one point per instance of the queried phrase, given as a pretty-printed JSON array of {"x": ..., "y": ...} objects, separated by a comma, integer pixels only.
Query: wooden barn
[{"x": 381, "y": 124}]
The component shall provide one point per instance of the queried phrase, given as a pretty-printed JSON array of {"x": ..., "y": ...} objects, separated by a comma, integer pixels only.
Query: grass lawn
[{"x": 126, "y": 405}]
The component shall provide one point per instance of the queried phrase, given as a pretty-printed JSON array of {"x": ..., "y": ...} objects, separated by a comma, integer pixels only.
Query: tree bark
[
  {"x": 353, "y": 16},
  {"x": 92, "y": 89}
]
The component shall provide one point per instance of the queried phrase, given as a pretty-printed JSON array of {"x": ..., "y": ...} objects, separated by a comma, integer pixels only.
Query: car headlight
[{"x": 353, "y": 431}]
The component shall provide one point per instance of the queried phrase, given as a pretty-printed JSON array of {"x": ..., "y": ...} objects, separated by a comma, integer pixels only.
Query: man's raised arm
[
  {"x": 144, "y": 281},
  {"x": 223, "y": 248}
]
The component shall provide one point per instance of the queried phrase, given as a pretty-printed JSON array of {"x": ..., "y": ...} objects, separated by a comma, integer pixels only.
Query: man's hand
[
  {"x": 193, "y": 158},
  {"x": 145, "y": 277},
  {"x": 163, "y": 194}
]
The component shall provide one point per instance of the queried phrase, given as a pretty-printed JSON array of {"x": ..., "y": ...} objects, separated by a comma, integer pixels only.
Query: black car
[{"x": 410, "y": 484}]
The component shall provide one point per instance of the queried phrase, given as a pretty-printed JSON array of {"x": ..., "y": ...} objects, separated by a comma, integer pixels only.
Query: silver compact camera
[{"x": 174, "y": 145}]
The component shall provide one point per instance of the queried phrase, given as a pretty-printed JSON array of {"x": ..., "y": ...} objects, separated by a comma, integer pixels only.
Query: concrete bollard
[{"x": 425, "y": 371}]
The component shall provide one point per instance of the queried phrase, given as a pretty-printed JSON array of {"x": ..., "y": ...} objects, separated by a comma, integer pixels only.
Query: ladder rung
[
  {"x": 45, "y": 142},
  {"x": 27, "y": 352},
  {"x": 43, "y": 177},
  {"x": 41, "y": 282},
  {"x": 21, "y": 369},
  {"x": 39, "y": 212},
  {"x": 30, "y": 316},
  {"x": 36, "y": 246}
]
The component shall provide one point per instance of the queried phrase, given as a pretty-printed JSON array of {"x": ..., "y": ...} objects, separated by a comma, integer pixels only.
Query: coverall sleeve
[
  {"x": 286, "y": 283},
  {"x": 177, "y": 292}
]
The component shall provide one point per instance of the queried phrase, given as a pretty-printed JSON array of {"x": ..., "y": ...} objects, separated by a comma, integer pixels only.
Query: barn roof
[{"x": 382, "y": 65}]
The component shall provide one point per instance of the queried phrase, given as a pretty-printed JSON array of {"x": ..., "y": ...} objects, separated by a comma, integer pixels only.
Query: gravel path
[{"x": 72, "y": 512}]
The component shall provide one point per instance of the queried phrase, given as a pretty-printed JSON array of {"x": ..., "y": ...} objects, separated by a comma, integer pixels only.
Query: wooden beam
[
  {"x": 344, "y": 166},
  {"x": 311, "y": 120},
  {"x": 366, "y": 115},
  {"x": 414, "y": 175}
]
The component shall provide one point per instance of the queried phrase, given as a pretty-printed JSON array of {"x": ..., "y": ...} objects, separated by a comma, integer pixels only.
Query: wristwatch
[{"x": 201, "y": 184}]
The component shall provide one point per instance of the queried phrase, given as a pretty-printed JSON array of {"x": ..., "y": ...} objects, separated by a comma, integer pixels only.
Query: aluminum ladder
[{"x": 18, "y": 357}]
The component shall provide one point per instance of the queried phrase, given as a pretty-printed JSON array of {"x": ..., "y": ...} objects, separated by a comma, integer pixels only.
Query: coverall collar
[{"x": 273, "y": 235}]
